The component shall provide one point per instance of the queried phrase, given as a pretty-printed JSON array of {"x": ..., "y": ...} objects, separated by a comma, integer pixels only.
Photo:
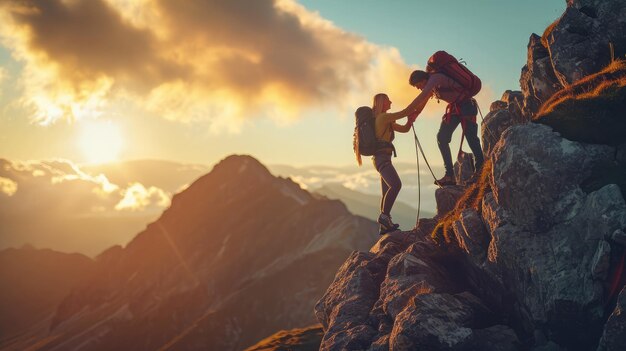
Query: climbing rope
[{"x": 418, "y": 149}]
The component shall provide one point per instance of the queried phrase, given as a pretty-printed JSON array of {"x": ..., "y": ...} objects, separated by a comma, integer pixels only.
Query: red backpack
[{"x": 442, "y": 62}]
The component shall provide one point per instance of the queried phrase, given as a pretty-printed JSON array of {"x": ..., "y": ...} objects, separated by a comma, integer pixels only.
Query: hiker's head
[
  {"x": 381, "y": 103},
  {"x": 418, "y": 79}
]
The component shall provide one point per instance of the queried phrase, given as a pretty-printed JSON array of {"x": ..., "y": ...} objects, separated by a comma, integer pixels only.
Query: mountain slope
[
  {"x": 33, "y": 283},
  {"x": 238, "y": 255},
  {"x": 368, "y": 206}
]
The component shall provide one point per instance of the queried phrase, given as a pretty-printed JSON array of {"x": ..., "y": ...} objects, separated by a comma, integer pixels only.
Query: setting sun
[{"x": 100, "y": 141}]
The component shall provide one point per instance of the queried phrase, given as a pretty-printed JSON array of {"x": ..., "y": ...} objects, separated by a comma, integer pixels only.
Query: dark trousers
[
  {"x": 471, "y": 134},
  {"x": 389, "y": 181}
]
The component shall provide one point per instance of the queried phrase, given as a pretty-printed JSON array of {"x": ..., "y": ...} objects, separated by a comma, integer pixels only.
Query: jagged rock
[
  {"x": 493, "y": 215},
  {"x": 512, "y": 97},
  {"x": 463, "y": 167},
  {"x": 557, "y": 285},
  {"x": 471, "y": 234},
  {"x": 533, "y": 154},
  {"x": 447, "y": 198},
  {"x": 579, "y": 41},
  {"x": 619, "y": 236},
  {"x": 538, "y": 80},
  {"x": 413, "y": 272},
  {"x": 614, "y": 334},
  {"x": 601, "y": 260},
  {"x": 515, "y": 104},
  {"x": 344, "y": 309},
  {"x": 498, "y": 105},
  {"x": 433, "y": 321},
  {"x": 492, "y": 127}
]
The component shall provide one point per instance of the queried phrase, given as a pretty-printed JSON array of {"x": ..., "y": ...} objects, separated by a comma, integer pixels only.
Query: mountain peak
[{"x": 238, "y": 164}]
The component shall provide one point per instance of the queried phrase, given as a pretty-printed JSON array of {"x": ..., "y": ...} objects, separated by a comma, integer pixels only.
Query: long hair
[{"x": 379, "y": 101}]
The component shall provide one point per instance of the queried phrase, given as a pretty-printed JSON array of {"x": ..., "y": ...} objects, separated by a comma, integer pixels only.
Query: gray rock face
[
  {"x": 515, "y": 104},
  {"x": 538, "y": 80},
  {"x": 463, "y": 167},
  {"x": 552, "y": 166},
  {"x": 579, "y": 42},
  {"x": 471, "y": 234},
  {"x": 344, "y": 309},
  {"x": 552, "y": 231},
  {"x": 446, "y": 198},
  {"x": 492, "y": 127}
]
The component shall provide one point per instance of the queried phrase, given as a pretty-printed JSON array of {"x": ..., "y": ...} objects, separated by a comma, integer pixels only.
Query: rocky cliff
[
  {"x": 238, "y": 255},
  {"x": 531, "y": 257}
]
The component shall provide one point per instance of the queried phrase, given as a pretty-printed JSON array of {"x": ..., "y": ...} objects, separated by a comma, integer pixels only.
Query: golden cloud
[
  {"x": 216, "y": 61},
  {"x": 8, "y": 187},
  {"x": 63, "y": 188},
  {"x": 137, "y": 197}
]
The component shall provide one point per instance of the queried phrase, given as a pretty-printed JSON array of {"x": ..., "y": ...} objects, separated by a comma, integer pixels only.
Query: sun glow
[{"x": 100, "y": 141}]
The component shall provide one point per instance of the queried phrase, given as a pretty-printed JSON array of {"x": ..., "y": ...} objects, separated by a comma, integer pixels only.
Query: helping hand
[{"x": 412, "y": 117}]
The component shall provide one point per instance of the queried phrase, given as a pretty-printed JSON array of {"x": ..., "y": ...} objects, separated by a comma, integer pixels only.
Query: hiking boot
[
  {"x": 446, "y": 180},
  {"x": 386, "y": 225}
]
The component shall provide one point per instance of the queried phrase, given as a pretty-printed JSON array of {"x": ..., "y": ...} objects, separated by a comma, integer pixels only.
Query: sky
[{"x": 105, "y": 80}]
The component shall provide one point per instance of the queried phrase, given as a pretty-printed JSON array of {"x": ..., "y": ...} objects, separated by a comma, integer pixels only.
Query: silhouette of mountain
[
  {"x": 33, "y": 283},
  {"x": 238, "y": 255}
]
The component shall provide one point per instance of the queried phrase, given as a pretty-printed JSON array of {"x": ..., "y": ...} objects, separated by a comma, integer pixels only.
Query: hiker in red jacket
[{"x": 461, "y": 109}]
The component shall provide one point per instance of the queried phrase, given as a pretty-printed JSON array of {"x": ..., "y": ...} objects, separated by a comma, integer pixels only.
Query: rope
[
  {"x": 419, "y": 188},
  {"x": 418, "y": 146},
  {"x": 417, "y": 142}
]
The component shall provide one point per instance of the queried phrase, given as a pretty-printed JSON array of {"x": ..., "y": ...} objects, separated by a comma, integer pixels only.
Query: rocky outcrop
[
  {"x": 531, "y": 257},
  {"x": 538, "y": 80},
  {"x": 532, "y": 267},
  {"x": 581, "y": 42}
]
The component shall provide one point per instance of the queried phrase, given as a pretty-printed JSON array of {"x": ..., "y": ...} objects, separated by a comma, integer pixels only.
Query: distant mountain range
[
  {"x": 71, "y": 208},
  {"x": 368, "y": 206},
  {"x": 238, "y": 255}
]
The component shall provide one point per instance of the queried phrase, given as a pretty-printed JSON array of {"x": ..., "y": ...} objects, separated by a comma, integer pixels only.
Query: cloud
[
  {"x": 137, "y": 198},
  {"x": 61, "y": 188},
  {"x": 215, "y": 61},
  {"x": 7, "y": 186}
]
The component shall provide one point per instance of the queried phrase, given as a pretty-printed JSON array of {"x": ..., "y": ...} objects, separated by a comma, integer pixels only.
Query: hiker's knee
[{"x": 443, "y": 137}]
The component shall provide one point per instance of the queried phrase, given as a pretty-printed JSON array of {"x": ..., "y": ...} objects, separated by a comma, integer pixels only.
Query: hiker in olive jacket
[{"x": 459, "y": 110}]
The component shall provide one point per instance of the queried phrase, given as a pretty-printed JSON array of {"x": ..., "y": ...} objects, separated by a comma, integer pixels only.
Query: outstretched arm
[{"x": 403, "y": 128}]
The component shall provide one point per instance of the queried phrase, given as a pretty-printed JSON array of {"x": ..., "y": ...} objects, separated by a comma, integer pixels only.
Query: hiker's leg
[
  {"x": 390, "y": 176},
  {"x": 385, "y": 188},
  {"x": 471, "y": 133},
  {"x": 390, "y": 181},
  {"x": 443, "y": 141}
]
